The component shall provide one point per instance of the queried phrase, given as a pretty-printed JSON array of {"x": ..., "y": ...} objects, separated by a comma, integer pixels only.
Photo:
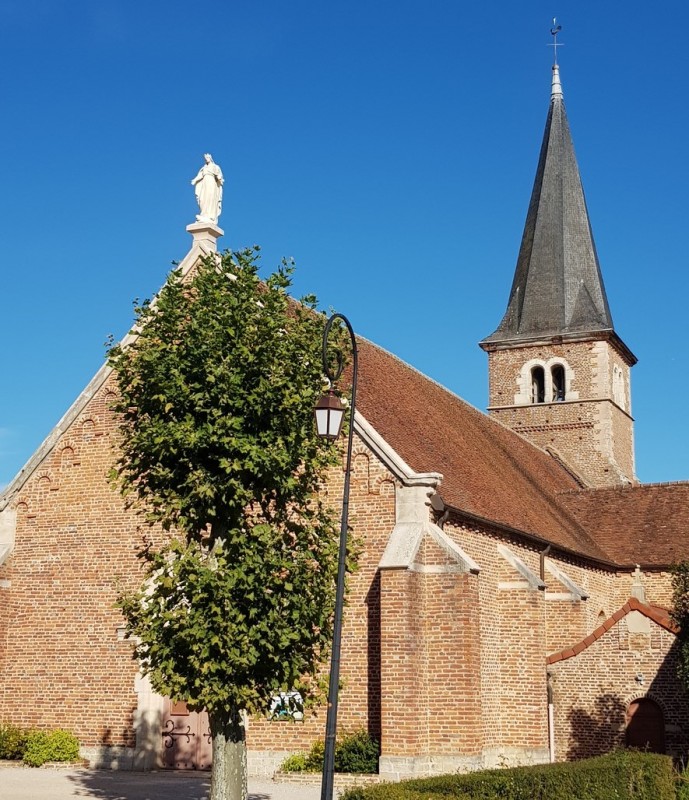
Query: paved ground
[{"x": 19, "y": 783}]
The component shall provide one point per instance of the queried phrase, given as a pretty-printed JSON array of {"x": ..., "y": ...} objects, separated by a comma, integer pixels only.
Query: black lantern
[{"x": 329, "y": 413}]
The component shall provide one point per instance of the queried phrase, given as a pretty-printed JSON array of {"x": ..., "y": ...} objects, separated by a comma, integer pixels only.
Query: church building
[{"x": 511, "y": 604}]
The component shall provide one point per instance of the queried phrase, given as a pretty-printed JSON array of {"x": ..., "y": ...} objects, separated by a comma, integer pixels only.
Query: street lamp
[{"x": 330, "y": 413}]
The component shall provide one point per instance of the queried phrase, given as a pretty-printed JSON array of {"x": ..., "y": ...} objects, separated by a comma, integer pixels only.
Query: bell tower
[{"x": 558, "y": 372}]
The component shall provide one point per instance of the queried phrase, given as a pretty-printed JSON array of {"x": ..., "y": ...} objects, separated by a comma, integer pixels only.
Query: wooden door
[
  {"x": 186, "y": 737},
  {"x": 645, "y": 726}
]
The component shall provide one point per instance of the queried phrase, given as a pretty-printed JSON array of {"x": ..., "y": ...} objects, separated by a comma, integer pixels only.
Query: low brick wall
[{"x": 343, "y": 780}]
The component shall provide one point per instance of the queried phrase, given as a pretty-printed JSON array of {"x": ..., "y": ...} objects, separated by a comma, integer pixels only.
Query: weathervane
[{"x": 554, "y": 32}]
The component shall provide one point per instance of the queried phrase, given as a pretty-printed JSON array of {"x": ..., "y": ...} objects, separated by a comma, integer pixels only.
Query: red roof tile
[{"x": 636, "y": 524}]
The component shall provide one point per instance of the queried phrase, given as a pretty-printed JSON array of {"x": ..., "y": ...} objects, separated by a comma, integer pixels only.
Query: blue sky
[{"x": 389, "y": 147}]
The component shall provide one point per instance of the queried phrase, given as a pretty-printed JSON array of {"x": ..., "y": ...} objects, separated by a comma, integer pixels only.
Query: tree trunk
[{"x": 228, "y": 773}]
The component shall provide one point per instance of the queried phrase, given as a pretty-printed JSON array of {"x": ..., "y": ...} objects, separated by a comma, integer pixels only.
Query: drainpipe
[
  {"x": 542, "y": 556},
  {"x": 551, "y": 718}
]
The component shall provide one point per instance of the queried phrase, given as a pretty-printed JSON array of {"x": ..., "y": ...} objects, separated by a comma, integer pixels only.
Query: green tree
[
  {"x": 216, "y": 397},
  {"x": 680, "y": 615}
]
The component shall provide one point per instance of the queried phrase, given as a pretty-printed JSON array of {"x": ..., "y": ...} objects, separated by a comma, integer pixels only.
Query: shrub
[
  {"x": 316, "y": 756},
  {"x": 624, "y": 775},
  {"x": 12, "y": 741},
  {"x": 305, "y": 762},
  {"x": 393, "y": 791},
  {"x": 683, "y": 785},
  {"x": 58, "y": 745},
  {"x": 355, "y": 752},
  {"x": 36, "y": 752},
  {"x": 294, "y": 763}
]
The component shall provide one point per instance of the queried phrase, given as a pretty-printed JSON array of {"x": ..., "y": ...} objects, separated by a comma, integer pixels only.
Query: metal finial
[{"x": 555, "y": 44}]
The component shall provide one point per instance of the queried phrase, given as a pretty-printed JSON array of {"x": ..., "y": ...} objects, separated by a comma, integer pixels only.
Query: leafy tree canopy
[
  {"x": 680, "y": 615},
  {"x": 218, "y": 446}
]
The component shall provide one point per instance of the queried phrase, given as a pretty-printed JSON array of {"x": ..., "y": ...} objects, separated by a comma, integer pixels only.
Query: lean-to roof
[{"x": 645, "y": 524}]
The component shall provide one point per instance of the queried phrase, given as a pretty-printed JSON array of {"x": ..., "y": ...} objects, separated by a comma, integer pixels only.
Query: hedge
[{"x": 624, "y": 775}]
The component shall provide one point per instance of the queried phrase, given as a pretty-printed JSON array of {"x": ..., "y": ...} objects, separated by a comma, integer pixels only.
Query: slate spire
[{"x": 558, "y": 288}]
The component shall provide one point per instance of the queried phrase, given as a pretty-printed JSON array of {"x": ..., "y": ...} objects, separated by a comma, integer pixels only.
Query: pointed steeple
[
  {"x": 559, "y": 374},
  {"x": 558, "y": 288}
]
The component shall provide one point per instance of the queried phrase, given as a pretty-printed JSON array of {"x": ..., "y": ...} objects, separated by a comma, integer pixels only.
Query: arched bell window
[
  {"x": 538, "y": 385},
  {"x": 557, "y": 375}
]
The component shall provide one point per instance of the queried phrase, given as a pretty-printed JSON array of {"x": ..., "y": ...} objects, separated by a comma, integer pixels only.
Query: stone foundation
[
  {"x": 113, "y": 757},
  {"x": 396, "y": 768}
]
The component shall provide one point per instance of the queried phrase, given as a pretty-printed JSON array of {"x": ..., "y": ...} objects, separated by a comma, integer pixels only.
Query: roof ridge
[{"x": 626, "y": 487}]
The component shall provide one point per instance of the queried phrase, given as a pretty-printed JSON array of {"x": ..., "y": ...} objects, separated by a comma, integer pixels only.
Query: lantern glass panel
[
  {"x": 322, "y": 421},
  {"x": 335, "y": 422}
]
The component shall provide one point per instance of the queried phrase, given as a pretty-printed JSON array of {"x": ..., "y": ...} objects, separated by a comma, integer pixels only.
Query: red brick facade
[
  {"x": 632, "y": 655},
  {"x": 453, "y": 614},
  {"x": 63, "y": 660},
  {"x": 445, "y": 664}
]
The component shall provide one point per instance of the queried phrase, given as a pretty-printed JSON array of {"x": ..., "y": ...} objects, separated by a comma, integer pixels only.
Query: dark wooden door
[
  {"x": 186, "y": 737},
  {"x": 645, "y": 726}
]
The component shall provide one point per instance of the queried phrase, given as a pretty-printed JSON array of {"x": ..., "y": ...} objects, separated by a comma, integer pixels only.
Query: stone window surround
[{"x": 523, "y": 396}]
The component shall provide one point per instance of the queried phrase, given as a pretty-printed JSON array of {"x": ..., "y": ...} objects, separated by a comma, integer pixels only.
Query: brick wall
[
  {"x": 440, "y": 664},
  {"x": 404, "y": 656},
  {"x": 519, "y": 627},
  {"x": 76, "y": 544},
  {"x": 593, "y": 689},
  {"x": 65, "y": 664},
  {"x": 430, "y": 658},
  {"x": 4, "y": 629},
  {"x": 591, "y": 432}
]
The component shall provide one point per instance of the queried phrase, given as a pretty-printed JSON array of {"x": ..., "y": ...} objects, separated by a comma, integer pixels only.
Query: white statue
[{"x": 208, "y": 188}]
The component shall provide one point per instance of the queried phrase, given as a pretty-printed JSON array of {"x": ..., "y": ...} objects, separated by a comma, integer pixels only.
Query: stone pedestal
[{"x": 205, "y": 235}]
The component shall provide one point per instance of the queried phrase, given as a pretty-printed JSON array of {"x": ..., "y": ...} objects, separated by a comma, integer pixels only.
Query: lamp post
[{"x": 330, "y": 413}]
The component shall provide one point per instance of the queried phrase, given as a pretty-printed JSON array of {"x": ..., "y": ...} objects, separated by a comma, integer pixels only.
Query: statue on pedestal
[{"x": 208, "y": 188}]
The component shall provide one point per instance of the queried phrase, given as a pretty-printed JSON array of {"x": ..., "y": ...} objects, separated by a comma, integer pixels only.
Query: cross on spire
[{"x": 555, "y": 44}]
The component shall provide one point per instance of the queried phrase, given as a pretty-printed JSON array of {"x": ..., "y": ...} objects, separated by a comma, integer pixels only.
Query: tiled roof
[
  {"x": 488, "y": 471},
  {"x": 656, "y": 613},
  {"x": 636, "y": 524},
  {"x": 493, "y": 473}
]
